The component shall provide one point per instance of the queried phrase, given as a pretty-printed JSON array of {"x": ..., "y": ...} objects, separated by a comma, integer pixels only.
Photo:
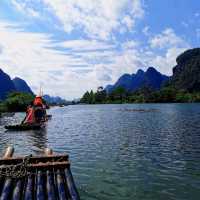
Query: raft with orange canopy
[{"x": 35, "y": 117}]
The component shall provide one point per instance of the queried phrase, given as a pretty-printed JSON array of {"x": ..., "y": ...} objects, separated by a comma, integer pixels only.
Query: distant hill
[
  {"x": 186, "y": 74},
  {"x": 151, "y": 79},
  {"x": 54, "y": 100},
  {"x": 6, "y": 84},
  {"x": 21, "y": 85}
]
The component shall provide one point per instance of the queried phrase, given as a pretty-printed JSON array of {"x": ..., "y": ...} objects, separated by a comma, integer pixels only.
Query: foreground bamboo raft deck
[{"x": 46, "y": 177}]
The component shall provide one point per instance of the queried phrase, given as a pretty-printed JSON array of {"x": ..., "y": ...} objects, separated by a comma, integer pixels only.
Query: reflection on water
[{"x": 141, "y": 151}]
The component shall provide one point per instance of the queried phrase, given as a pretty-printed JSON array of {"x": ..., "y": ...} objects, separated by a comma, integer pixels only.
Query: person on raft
[{"x": 36, "y": 112}]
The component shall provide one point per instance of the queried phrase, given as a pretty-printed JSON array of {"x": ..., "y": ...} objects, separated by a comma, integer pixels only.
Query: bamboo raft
[{"x": 36, "y": 177}]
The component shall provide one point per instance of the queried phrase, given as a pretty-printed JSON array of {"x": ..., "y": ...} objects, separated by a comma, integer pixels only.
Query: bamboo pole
[
  {"x": 71, "y": 185},
  {"x": 7, "y": 188},
  {"x": 50, "y": 186},
  {"x": 17, "y": 190},
  {"x": 60, "y": 186},
  {"x": 50, "y": 178},
  {"x": 9, "y": 152},
  {"x": 40, "y": 194},
  {"x": 29, "y": 188}
]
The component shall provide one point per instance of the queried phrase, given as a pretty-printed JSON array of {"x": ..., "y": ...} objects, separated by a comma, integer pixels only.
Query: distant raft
[{"x": 45, "y": 177}]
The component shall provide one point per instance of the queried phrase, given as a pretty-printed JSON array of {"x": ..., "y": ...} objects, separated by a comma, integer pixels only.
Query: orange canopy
[{"x": 38, "y": 101}]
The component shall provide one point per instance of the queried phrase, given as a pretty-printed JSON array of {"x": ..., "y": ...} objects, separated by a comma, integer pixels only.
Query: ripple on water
[{"x": 121, "y": 151}]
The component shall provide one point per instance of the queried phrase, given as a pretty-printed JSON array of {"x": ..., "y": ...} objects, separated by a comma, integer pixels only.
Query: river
[{"x": 121, "y": 152}]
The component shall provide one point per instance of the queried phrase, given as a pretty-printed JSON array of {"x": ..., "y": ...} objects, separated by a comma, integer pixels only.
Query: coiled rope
[{"x": 16, "y": 171}]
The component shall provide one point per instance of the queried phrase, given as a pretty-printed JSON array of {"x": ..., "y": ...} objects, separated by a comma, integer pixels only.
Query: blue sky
[{"x": 70, "y": 46}]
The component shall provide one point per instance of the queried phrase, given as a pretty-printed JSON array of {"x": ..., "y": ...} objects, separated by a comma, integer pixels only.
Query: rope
[
  {"x": 21, "y": 170},
  {"x": 16, "y": 171}
]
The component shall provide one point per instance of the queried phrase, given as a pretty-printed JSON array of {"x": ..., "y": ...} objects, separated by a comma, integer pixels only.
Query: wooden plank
[
  {"x": 35, "y": 159},
  {"x": 64, "y": 164},
  {"x": 47, "y": 165}
]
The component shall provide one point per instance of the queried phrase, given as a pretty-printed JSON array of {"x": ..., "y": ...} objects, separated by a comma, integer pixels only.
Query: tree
[
  {"x": 85, "y": 98},
  {"x": 167, "y": 94},
  {"x": 119, "y": 94},
  {"x": 18, "y": 102},
  {"x": 100, "y": 96},
  {"x": 88, "y": 98},
  {"x": 92, "y": 97}
]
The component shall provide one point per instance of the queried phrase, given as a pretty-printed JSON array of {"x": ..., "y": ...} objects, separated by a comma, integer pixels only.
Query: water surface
[{"x": 122, "y": 152}]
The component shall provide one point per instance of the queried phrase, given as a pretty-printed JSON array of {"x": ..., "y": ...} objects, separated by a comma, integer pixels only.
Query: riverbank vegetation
[
  {"x": 167, "y": 94},
  {"x": 16, "y": 102}
]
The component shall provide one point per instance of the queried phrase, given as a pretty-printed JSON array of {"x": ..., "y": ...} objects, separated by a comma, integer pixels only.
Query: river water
[{"x": 121, "y": 152}]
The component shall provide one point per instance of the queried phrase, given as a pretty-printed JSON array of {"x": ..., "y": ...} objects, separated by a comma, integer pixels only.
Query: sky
[{"x": 70, "y": 46}]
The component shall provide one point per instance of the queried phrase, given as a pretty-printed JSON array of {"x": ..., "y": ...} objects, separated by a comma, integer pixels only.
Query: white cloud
[
  {"x": 127, "y": 61},
  {"x": 85, "y": 45},
  {"x": 96, "y": 18},
  {"x": 164, "y": 63},
  {"x": 167, "y": 39},
  {"x": 145, "y": 30},
  {"x": 130, "y": 44},
  {"x": 171, "y": 45},
  {"x": 22, "y": 7},
  {"x": 128, "y": 21}
]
